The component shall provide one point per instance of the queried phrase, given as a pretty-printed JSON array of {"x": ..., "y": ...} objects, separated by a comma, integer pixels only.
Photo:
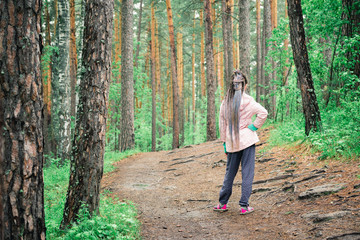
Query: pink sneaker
[
  {"x": 220, "y": 208},
  {"x": 246, "y": 210}
]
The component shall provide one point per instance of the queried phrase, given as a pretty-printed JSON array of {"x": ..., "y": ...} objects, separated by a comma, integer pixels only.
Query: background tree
[
  {"x": 153, "y": 80},
  {"x": 265, "y": 75},
  {"x": 210, "y": 74},
  {"x": 244, "y": 37},
  {"x": 297, "y": 37},
  {"x": 72, "y": 62},
  {"x": 258, "y": 50},
  {"x": 227, "y": 40},
  {"x": 127, "y": 77},
  {"x": 89, "y": 140},
  {"x": 61, "y": 97},
  {"x": 138, "y": 35},
  {"x": 46, "y": 76},
  {"x": 174, "y": 77},
  {"x": 21, "y": 122}
]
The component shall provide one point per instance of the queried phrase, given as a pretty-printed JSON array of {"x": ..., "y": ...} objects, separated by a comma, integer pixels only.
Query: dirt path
[{"x": 176, "y": 190}]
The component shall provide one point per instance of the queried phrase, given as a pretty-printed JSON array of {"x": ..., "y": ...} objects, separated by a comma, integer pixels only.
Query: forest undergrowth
[{"x": 117, "y": 219}]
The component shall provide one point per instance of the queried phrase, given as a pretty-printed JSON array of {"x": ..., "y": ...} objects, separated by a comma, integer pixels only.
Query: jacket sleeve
[
  {"x": 261, "y": 114},
  {"x": 222, "y": 123}
]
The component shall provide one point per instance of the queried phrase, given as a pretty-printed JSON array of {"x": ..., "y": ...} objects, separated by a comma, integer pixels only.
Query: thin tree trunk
[
  {"x": 153, "y": 80},
  {"x": 89, "y": 141},
  {"x": 297, "y": 37},
  {"x": 244, "y": 37},
  {"x": 138, "y": 34},
  {"x": 61, "y": 83},
  {"x": 157, "y": 58},
  {"x": 73, "y": 61},
  {"x": 127, "y": 77},
  {"x": 47, "y": 86},
  {"x": 286, "y": 68},
  {"x": 56, "y": 11},
  {"x": 193, "y": 73},
  {"x": 202, "y": 55},
  {"x": 210, "y": 87},
  {"x": 174, "y": 78},
  {"x": 180, "y": 75},
  {"x": 80, "y": 22},
  {"x": 273, "y": 63},
  {"x": 227, "y": 41},
  {"x": 258, "y": 50},
  {"x": 266, "y": 35},
  {"x": 21, "y": 122}
]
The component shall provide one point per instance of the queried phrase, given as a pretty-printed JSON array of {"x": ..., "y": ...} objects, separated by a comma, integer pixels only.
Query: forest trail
[{"x": 175, "y": 191}]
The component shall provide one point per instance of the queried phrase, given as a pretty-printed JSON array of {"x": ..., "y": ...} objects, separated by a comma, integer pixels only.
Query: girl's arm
[{"x": 261, "y": 115}]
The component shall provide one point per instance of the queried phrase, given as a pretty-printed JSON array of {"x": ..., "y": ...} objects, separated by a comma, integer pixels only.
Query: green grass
[
  {"x": 339, "y": 138},
  {"x": 112, "y": 157},
  {"x": 117, "y": 219}
]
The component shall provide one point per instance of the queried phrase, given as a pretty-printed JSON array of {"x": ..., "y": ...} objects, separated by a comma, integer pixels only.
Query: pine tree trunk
[
  {"x": 138, "y": 34},
  {"x": 61, "y": 83},
  {"x": 258, "y": 50},
  {"x": 273, "y": 63},
  {"x": 210, "y": 87},
  {"x": 301, "y": 59},
  {"x": 21, "y": 122},
  {"x": 351, "y": 26},
  {"x": 127, "y": 77},
  {"x": 73, "y": 62},
  {"x": 153, "y": 80},
  {"x": 180, "y": 75},
  {"x": 266, "y": 35},
  {"x": 46, "y": 76},
  {"x": 286, "y": 68},
  {"x": 193, "y": 74},
  {"x": 89, "y": 141},
  {"x": 244, "y": 37},
  {"x": 202, "y": 55},
  {"x": 227, "y": 41},
  {"x": 174, "y": 77}
]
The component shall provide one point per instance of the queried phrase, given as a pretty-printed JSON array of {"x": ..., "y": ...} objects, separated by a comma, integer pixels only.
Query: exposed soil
[{"x": 175, "y": 192}]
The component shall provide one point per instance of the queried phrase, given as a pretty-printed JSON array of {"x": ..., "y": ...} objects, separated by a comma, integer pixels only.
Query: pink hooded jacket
[{"x": 248, "y": 108}]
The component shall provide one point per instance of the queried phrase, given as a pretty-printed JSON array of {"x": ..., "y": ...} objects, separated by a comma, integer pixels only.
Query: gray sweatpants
[{"x": 247, "y": 159}]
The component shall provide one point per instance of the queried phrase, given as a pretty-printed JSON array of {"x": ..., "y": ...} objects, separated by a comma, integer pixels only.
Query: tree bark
[
  {"x": 73, "y": 62},
  {"x": 61, "y": 83},
  {"x": 174, "y": 77},
  {"x": 127, "y": 77},
  {"x": 153, "y": 80},
  {"x": 193, "y": 74},
  {"x": 273, "y": 63},
  {"x": 180, "y": 76},
  {"x": 351, "y": 26},
  {"x": 301, "y": 59},
  {"x": 227, "y": 41},
  {"x": 202, "y": 55},
  {"x": 47, "y": 86},
  {"x": 21, "y": 122},
  {"x": 244, "y": 37},
  {"x": 138, "y": 35},
  {"x": 210, "y": 74},
  {"x": 266, "y": 35},
  {"x": 87, "y": 161},
  {"x": 258, "y": 50}
]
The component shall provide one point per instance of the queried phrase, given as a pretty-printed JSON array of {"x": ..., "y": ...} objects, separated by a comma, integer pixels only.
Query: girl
[{"x": 237, "y": 132}]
